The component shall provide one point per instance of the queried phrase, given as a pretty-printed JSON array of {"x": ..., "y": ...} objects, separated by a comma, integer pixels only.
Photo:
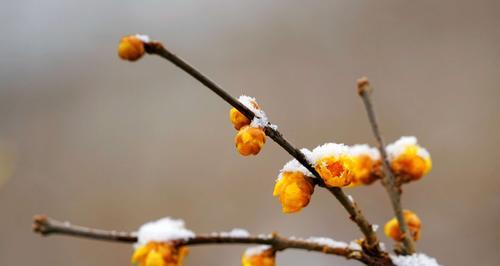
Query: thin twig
[
  {"x": 355, "y": 213},
  {"x": 389, "y": 180},
  {"x": 47, "y": 226}
]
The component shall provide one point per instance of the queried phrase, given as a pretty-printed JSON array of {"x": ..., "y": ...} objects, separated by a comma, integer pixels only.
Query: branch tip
[
  {"x": 40, "y": 224},
  {"x": 363, "y": 85}
]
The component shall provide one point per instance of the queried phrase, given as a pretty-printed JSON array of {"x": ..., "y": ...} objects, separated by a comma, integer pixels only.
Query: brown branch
[
  {"x": 355, "y": 213},
  {"x": 47, "y": 226},
  {"x": 389, "y": 180}
]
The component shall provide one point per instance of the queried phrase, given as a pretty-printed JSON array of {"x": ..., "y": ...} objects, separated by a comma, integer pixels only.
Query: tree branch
[
  {"x": 47, "y": 226},
  {"x": 355, "y": 213},
  {"x": 389, "y": 180}
]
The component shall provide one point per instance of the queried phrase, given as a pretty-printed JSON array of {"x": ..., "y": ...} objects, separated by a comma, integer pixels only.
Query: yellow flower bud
[
  {"x": 391, "y": 228},
  {"x": 409, "y": 161},
  {"x": 335, "y": 171},
  {"x": 294, "y": 190},
  {"x": 238, "y": 119},
  {"x": 365, "y": 170},
  {"x": 159, "y": 254},
  {"x": 259, "y": 258},
  {"x": 249, "y": 140},
  {"x": 131, "y": 48}
]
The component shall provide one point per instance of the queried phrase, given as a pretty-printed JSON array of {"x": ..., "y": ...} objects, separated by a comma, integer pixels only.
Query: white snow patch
[
  {"x": 364, "y": 149},
  {"x": 260, "y": 119},
  {"x": 265, "y": 236},
  {"x": 308, "y": 154},
  {"x": 325, "y": 241},
  {"x": 328, "y": 150},
  {"x": 294, "y": 166},
  {"x": 399, "y": 146},
  {"x": 255, "y": 251},
  {"x": 418, "y": 259},
  {"x": 355, "y": 245},
  {"x": 237, "y": 232},
  {"x": 351, "y": 199},
  {"x": 142, "y": 37},
  {"x": 162, "y": 230}
]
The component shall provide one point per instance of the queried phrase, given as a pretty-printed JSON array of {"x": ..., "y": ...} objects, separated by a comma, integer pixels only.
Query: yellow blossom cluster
[
  {"x": 391, "y": 228},
  {"x": 250, "y": 138},
  {"x": 259, "y": 257},
  {"x": 159, "y": 254},
  {"x": 338, "y": 166}
]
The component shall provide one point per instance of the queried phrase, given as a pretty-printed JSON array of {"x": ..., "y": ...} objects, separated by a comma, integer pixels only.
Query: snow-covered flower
[
  {"x": 259, "y": 256},
  {"x": 333, "y": 163},
  {"x": 391, "y": 228},
  {"x": 250, "y": 140},
  {"x": 408, "y": 160},
  {"x": 131, "y": 47},
  {"x": 159, "y": 254},
  {"x": 294, "y": 190},
  {"x": 154, "y": 243},
  {"x": 238, "y": 119},
  {"x": 366, "y": 164}
]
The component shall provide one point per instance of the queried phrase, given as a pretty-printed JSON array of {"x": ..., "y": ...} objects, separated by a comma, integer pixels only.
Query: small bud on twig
[{"x": 131, "y": 48}]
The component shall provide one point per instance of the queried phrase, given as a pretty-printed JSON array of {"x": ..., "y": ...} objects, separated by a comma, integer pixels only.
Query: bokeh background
[{"x": 111, "y": 144}]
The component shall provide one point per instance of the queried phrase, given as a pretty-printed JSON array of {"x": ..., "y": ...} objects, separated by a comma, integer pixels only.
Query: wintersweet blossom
[
  {"x": 250, "y": 140},
  {"x": 154, "y": 243},
  {"x": 408, "y": 160},
  {"x": 391, "y": 228},
  {"x": 237, "y": 118},
  {"x": 294, "y": 190},
  {"x": 333, "y": 163},
  {"x": 366, "y": 164},
  {"x": 131, "y": 47},
  {"x": 259, "y": 256},
  {"x": 159, "y": 254}
]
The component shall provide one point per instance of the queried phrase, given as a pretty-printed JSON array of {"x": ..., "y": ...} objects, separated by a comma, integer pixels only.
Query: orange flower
[
  {"x": 259, "y": 256},
  {"x": 333, "y": 163},
  {"x": 249, "y": 140},
  {"x": 294, "y": 190},
  {"x": 409, "y": 161},
  {"x": 238, "y": 119},
  {"x": 366, "y": 164},
  {"x": 159, "y": 254},
  {"x": 391, "y": 228},
  {"x": 131, "y": 48},
  {"x": 335, "y": 171}
]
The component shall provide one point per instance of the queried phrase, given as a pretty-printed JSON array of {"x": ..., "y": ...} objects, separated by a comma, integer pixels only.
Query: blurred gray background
[{"x": 111, "y": 144}]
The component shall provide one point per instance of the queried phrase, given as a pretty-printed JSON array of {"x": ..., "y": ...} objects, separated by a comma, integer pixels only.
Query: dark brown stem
[
  {"x": 355, "y": 213},
  {"x": 48, "y": 226},
  {"x": 389, "y": 180}
]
